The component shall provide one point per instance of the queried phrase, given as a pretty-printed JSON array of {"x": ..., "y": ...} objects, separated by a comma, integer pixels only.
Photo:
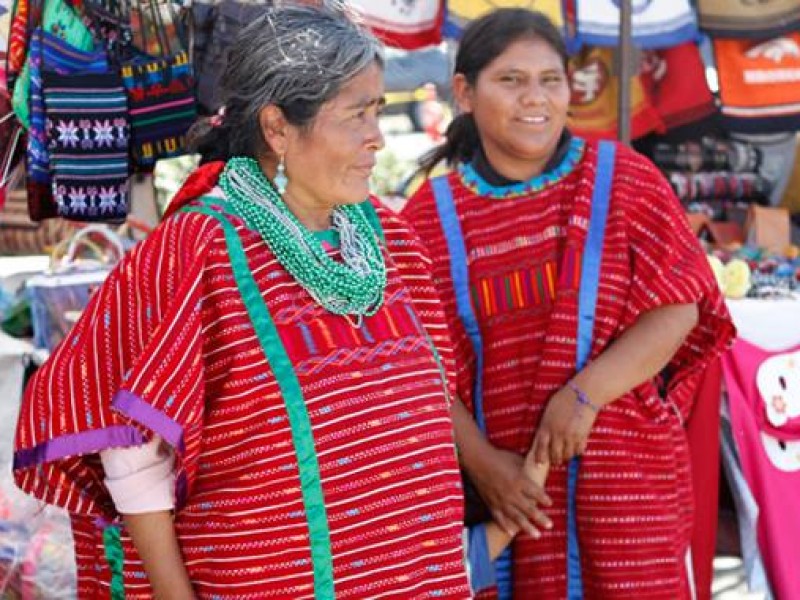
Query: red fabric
[
  {"x": 405, "y": 25},
  {"x": 675, "y": 81},
  {"x": 169, "y": 333},
  {"x": 17, "y": 39},
  {"x": 200, "y": 181},
  {"x": 702, "y": 430},
  {"x": 634, "y": 495}
]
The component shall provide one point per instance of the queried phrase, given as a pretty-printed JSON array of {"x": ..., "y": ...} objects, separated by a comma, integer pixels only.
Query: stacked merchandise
[
  {"x": 102, "y": 89},
  {"x": 714, "y": 177}
]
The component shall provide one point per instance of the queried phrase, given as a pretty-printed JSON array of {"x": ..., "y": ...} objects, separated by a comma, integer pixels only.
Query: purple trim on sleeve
[
  {"x": 137, "y": 409},
  {"x": 76, "y": 444}
]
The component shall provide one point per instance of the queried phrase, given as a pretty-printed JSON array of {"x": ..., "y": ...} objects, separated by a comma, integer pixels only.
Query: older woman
[
  {"x": 255, "y": 403},
  {"x": 570, "y": 279}
]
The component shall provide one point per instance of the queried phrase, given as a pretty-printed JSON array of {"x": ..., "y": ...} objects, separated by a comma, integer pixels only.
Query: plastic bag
[{"x": 59, "y": 296}]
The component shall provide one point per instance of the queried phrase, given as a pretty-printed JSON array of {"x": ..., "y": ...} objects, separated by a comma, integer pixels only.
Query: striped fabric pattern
[
  {"x": 87, "y": 132},
  {"x": 162, "y": 107},
  {"x": 634, "y": 507},
  {"x": 520, "y": 288},
  {"x": 169, "y": 340},
  {"x": 50, "y": 53}
]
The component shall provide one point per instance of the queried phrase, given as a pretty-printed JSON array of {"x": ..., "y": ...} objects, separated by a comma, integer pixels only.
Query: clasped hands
[{"x": 504, "y": 480}]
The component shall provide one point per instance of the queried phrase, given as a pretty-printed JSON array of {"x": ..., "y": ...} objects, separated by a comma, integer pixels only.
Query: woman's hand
[
  {"x": 564, "y": 428},
  {"x": 512, "y": 496}
]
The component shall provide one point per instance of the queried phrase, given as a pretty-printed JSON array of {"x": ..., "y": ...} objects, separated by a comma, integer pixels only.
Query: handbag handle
[{"x": 81, "y": 238}]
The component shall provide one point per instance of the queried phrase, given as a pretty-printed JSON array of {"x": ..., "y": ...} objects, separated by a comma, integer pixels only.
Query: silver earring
[{"x": 280, "y": 178}]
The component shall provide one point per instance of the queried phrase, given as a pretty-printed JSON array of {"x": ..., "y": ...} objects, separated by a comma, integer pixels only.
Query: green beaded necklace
[{"x": 355, "y": 287}]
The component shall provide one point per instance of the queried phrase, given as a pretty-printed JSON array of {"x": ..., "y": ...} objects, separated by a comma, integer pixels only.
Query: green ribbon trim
[
  {"x": 302, "y": 436},
  {"x": 115, "y": 557}
]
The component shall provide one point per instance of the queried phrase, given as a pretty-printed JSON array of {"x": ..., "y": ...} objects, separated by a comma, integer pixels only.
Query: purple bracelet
[{"x": 581, "y": 397}]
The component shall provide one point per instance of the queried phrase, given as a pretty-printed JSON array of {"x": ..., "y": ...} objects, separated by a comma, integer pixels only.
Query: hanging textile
[
  {"x": 61, "y": 21},
  {"x": 87, "y": 133},
  {"x": 406, "y": 25},
  {"x": 759, "y": 84},
  {"x": 675, "y": 80},
  {"x": 48, "y": 53},
  {"x": 747, "y": 19},
  {"x": 656, "y": 23},
  {"x": 764, "y": 405},
  {"x": 595, "y": 89},
  {"x": 461, "y": 12},
  {"x": 19, "y": 28},
  {"x": 161, "y": 106}
]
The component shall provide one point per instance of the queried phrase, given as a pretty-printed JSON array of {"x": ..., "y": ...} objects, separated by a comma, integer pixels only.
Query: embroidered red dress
[
  {"x": 166, "y": 346},
  {"x": 524, "y": 244}
]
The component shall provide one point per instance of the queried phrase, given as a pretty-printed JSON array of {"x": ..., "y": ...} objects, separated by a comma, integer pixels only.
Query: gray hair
[{"x": 296, "y": 58}]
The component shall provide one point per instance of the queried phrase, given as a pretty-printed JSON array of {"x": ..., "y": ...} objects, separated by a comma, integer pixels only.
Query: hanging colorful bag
[
  {"x": 162, "y": 107},
  {"x": 49, "y": 53},
  {"x": 88, "y": 142},
  {"x": 59, "y": 19}
]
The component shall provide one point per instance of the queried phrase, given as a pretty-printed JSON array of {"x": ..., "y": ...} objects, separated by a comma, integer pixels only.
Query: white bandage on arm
[{"x": 140, "y": 479}]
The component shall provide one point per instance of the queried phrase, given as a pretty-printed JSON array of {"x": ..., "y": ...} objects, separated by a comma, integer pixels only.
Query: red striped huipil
[
  {"x": 166, "y": 346},
  {"x": 524, "y": 248}
]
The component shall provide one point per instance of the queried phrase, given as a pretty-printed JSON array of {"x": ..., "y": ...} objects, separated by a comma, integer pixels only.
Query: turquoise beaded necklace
[{"x": 354, "y": 287}]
